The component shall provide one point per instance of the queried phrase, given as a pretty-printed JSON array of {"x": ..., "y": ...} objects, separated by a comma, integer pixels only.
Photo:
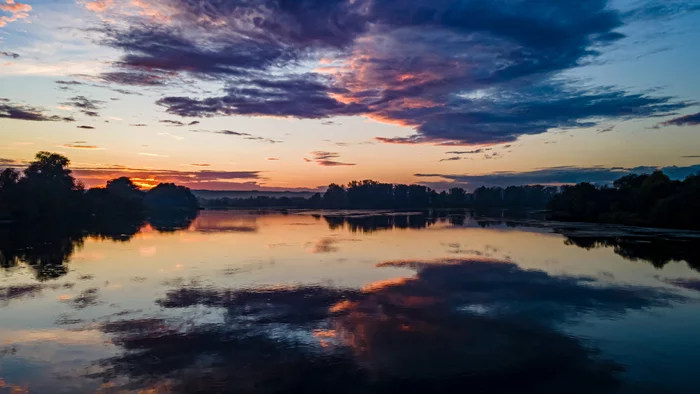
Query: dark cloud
[
  {"x": 70, "y": 83},
  {"x": 125, "y": 92},
  {"x": 303, "y": 96},
  {"x": 224, "y": 132},
  {"x": 555, "y": 176},
  {"x": 10, "y": 110},
  {"x": 468, "y": 152},
  {"x": 453, "y": 158},
  {"x": 85, "y": 127},
  {"x": 9, "y": 54},
  {"x": 246, "y": 136},
  {"x": 134, "y": 79},
  {"x": 691, "y": 157},
  {"x": 691, "y": 284},
  {"x": 194, "y": 122},
  {"x": 688, "y": 120},
  {"x": 87, "y": 106},
  {"x": 459, "y": 73},
  {"x": 326, "y": 159},
  {"x": 138, "y": 125},
  {"x": 79, "y": 146},
  {"x": 172, "y": 122}
]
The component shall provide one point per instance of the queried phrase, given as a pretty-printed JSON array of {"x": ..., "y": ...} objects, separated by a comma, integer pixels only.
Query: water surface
[{"x": 361, "y": 302}]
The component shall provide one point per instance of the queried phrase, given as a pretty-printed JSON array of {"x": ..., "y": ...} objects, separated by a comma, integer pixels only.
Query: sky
[{"x": 297, "y": 94}]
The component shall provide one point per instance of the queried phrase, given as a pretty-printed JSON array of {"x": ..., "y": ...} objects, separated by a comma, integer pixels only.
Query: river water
[{"x": 351, "y": 302}]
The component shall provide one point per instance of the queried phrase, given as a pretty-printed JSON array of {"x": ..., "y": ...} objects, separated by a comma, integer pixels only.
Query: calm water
[{"x": 375, "y": 303}]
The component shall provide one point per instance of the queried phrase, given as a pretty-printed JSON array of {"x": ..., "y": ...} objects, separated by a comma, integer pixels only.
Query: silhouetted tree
[
  {"x": 648, "y": 199},
  {"x": 168, "y": 196}
]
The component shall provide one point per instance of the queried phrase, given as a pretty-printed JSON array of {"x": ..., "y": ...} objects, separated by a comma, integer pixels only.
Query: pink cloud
[
  {"x": 99, "y": 5},
  {"x": 18, "y": 11}
]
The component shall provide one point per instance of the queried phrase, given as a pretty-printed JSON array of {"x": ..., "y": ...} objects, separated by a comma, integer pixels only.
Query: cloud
[
  {"x": 9, "y": 54},
  {"x": 80, "y": 146},
  {"x": 202, "y": 179},
  {"x": 133, "y": 79},
  {"x": 271, "y": 159},
  {"x": 458, "y": 73},
  {"x": 87, "y": 106},
  {"x": 173, "y": 136},
  {"x": 69, "y": 83},
  {"x": 5, "y": 162},
  {"x": 468, "y": 152},
  {"x": 17, "y": 11},
  {"x": 453, "y": 158},
  {"x": 152, "y": 154},
  {"x": 326, "y": 159},
  {"x": 172, "y": 122},
  {"x": 201, "y": 165},
  {"x": 138, "y": 125},
  {"x": 553, "y": 176},
  {"x": 85, "y": 127},
  {"x": 9, "y": 110},
  {"x": 688, "y": 120},
  {"x": 99, "y": 5},
  {"x": 691, "y": 157},
  {"x": 246, "y": 136}
]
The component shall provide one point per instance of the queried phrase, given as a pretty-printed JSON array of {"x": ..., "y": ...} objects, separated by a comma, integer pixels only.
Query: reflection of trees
[
  {"x": 457, "y": 325},
  {"x": 47, "y": 248},
  {"x": 171, "y": 221},
  {"x": 376, "y": 222},
  {"x": 655, "y": 251}
]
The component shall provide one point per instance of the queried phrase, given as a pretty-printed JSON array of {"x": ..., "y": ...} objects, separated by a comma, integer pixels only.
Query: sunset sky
[{"x": 292, "y": 94}]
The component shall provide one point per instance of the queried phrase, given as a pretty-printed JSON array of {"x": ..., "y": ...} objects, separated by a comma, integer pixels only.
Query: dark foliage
[
  {"x": 370, "y": 194},
  {"x": 46, "y": 214},
  {"x": 47, "y": 192},
  {"x": 646, "y": 200}
]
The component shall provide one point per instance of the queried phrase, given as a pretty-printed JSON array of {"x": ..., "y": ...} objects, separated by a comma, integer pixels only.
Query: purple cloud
[{"x": 458, "y": 73}]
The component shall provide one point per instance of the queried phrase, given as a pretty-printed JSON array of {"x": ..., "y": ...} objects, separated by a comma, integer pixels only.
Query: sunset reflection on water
[{"x": 237, "y": 301}]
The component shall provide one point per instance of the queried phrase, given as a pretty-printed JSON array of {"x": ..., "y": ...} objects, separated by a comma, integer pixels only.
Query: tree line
[
  {"x": 640, "y": 200},
  {"x": 369, "y": 194},
  {"x": 46, "y": 191}
]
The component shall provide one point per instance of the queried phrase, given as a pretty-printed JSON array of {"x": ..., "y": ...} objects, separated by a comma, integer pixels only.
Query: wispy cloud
[
  {"x": 87, "y": 106},
  {"x": 173, "y": 136},
  {"x": 151, "y": 154},
  {"x": 80, "y": 146},
  {"x": 9, "y": 110},
  {"x": 9, "y": 54},
  {"x": 245, "y": 136},
  {"x": 687, "y": 120},
  {"x": 327, "y": 159}
]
